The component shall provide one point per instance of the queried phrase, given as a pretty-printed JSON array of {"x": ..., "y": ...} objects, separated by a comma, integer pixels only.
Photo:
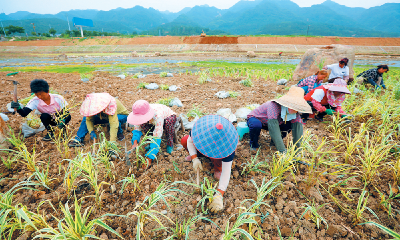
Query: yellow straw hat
[{"x": 294, "y": 99}]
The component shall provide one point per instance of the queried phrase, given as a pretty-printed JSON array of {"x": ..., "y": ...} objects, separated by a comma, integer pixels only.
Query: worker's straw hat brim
[{"x": 294, "y": 99}]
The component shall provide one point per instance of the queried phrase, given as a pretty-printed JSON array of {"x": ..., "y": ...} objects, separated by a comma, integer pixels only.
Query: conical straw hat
[{"x": 294, "y": 99}]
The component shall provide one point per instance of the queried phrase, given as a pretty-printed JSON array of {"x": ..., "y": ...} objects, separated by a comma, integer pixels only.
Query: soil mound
[{"x": 210, "y": 40}]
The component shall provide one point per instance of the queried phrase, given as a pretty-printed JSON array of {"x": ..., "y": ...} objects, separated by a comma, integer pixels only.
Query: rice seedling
[
  {"x": 71, "y": 175},
  {"x": 282, "y": 163},
  {"x": 372, "y": 158},
  {"x": 195, "y": 112},
  {"x": 17, "y": 140},
  {"x": 320, "y": 64},
  {"x": 164, "y": 87},
  {"x": 75, "y": 225},
  {"x": 129, "y": 181},
  {"x": 385, "y": 229},
  {"x": 142, "y": 85},
  {"x": 183, "y": 228},
  {"x": 146, "y": 139},
  {"x": 25, "y": 157},
  {"x": 136, "y": 75},
  {"x": 311, "y": 212},
  {"x": 247, "y": 83},
  {"x": 361, "y": 207},
  {"x": 253, "y": 165},
  {"x": 165, "y": 101},
  {"x": 9, "y": 160},
  {"x": 144, "y": 211},
  {"x": 90, "y": 171},
  {"x": 88, "y": 76},
  {"x": 265, "y": 188},
  {"x": 163, "y": 74},
  {"x": 233, "y": 94},
  {"x": 242, "y": 219},
  {"x": 320, "y": 161},
  {"x": 386, "y": 203},
  {"x": 396, "y": 170},
  {"x": 207, "y": 192},
  {"x": 42, "y": 176}
]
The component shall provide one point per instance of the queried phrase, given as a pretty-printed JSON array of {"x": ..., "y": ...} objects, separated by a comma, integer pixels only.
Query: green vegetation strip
[{"x": 69, "y": 68}]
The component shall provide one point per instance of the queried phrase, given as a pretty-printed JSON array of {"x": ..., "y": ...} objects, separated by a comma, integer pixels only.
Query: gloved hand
[
  {"x": 197, "y": 164},
  {"x": 330, "y": 111},
  {"x": 217, "y": 204},
  {"x": 93, "y": 135},
  {"x": 61, "y": 124},
  {"x": 112, "y": 155},
  {"x": 170, "y": 149},
  {"x": 15, "y": 105},
  {"x": 134, "y": 145}
]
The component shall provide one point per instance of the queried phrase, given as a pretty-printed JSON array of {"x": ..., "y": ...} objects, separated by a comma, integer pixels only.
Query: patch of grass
[
  {"x": 142, "y": 85},
  {"x": 165, "y": 101},
  {"x": 163, "y": 74},
  {"x": 247, "y": 83},
  {"x": 233, "y": 94},
  {"x": 164, "y": 87}
]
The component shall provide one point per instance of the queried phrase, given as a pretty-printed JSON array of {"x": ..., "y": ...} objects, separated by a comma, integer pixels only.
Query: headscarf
[{"x": 286, "y": 116}]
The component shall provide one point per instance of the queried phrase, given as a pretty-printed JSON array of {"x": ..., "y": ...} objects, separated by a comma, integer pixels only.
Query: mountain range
[{"x": 270, "y": 17}]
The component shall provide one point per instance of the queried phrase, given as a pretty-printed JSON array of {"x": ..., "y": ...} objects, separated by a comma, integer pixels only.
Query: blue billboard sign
[{"x": 82, "y": 22}]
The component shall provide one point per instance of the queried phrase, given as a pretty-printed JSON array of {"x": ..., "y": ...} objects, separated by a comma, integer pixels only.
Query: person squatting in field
[
  {"x": 339, "y": 70},
  {"x": 215, "y": 137},
  {"x": 279, "y": 117},
  {"x": 309, "y": 83},
  {"x": 100, "y": 108},
  {"x": 327, "y": 99},
  {"x": 157, "y": 118},
  {"x": 51, "y": 106},
  {"x": 374, "y": 76}
]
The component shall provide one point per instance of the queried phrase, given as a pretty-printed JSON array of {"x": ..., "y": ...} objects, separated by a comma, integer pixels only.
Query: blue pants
[
  {"x": 82, "y": 131},
  {"x": 255, "y": 127}
]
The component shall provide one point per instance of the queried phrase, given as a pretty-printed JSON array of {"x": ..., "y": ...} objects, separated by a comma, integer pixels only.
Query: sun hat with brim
[
  {"x": 141, "y": 113},
  {"x": 294, "y": 99},
  {"x": 339, "y": 85},
  {"x": 95, "y": 103},
  {"x": 215, "y": 136}
]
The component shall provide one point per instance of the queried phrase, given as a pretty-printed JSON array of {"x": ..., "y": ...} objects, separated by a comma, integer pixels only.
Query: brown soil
[
  {"x": 212, "y": 40},
  {"x": 286, "y": 208}
]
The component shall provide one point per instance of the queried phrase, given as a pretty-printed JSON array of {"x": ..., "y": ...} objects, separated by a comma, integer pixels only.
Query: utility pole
[
  {"x": 5, "y": 35},
  {"x": 34, "y": 27}
]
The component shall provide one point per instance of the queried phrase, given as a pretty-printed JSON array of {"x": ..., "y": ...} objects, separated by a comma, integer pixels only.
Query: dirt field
[
  {"x": 285, "y": 210},
  {"x": 211, "y": 40}
]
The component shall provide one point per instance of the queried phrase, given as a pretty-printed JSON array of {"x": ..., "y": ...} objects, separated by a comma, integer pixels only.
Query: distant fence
[{"x": 260, "y": 48}]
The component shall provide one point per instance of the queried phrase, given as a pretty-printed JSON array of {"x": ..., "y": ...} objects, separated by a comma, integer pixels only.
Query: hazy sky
[{"x": 55, "y": 6}]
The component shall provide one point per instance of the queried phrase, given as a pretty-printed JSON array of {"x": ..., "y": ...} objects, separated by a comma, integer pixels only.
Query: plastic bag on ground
[
  {"x": 356, "y": 90},
  {"x": 282, "y": 82},
  {"x": 28, "y": 131},
  {"x": 142, "y": 76},
  {"x": 222, "y": 94},
  {"x": 4, "y": 117},
  {"x": 227, "y": 113},
  {"x": 173, "y": 88},
  {"x": 122, "y": 76},
  {"x": 175, "y": 102},
  {"x": 186, "y": 123},
  {"x": 152, "y": 86},
  {"x": 85, "y": 79},
  {"x": 242, "y": 112},
  {"x": 12, "y": 109},
  {"x": 170, "y": 75}
]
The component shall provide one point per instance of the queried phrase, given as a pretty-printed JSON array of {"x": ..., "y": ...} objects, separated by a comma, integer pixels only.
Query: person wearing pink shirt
[
  {"x": 51, "y": 106},
  {"x": 156, "y": 118}
]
